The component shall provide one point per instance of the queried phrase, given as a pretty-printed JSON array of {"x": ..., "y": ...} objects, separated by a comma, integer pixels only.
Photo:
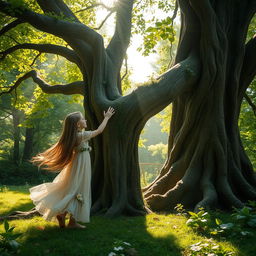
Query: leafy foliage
[
  {"x": 207, "y": 248},
  {"x": 154, "y": 29},
  {"x": 8, "y": 243},
  {"x": 199, "y": 221},
  {"x": 243, "y": 220}
]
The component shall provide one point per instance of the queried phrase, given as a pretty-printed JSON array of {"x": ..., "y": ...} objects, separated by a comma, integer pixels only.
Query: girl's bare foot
[
  {"x": 61, "y": 220},
  {"x": 73, "y": 224}
]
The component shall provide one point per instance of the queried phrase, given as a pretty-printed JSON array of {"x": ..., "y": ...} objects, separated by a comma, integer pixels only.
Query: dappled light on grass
[
  {"x": 154, "y": 234},
  {"x": 11, "y": 200}
]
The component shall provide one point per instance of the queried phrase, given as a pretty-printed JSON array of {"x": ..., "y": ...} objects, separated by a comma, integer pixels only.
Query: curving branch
[
  {"x": 106, "y": 18},
  {"x": 3, "y": 118},
  {"x": 67, "y": 89},
  {"x": 34, "y": 60},
  {"x": 121, "y": 38},
  {"x": 95, "y": 5},
  {"x": 126, "y": 68},
  {"x": 44, "y": 48},
  {"x": 52, "y": 25},
  {"x": 13, "y": 39},
  {"x": 248, "y": 71},
  {"x": 57, "y": 7},
  {"x": 11, "y": 25},
  {"x": 252, "y": 105}
]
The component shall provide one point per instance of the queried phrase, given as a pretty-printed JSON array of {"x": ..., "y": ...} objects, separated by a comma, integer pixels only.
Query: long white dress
[{"x": 70, "y": 191}]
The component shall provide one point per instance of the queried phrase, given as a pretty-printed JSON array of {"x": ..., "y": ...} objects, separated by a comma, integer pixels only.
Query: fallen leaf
[{"x": 40, "y": 228}]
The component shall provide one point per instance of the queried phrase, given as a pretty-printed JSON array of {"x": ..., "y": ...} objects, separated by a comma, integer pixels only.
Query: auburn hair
[{"x": 61, "y": 154}]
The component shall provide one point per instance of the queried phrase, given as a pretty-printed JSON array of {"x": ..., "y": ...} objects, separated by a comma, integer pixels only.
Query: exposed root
[
  {"x": 21, "y": 215},
  {"x": 210, "y": 196}
]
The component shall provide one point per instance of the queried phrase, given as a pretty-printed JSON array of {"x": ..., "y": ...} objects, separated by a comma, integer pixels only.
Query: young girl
[{"x": 70, "y": 191}]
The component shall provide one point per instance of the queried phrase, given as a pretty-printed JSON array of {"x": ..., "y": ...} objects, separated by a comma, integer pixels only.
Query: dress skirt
[{"x": 69, "y": 192}]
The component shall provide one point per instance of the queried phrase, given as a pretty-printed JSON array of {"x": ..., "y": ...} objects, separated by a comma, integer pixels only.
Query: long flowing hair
[{"x": 61, "y": 154}]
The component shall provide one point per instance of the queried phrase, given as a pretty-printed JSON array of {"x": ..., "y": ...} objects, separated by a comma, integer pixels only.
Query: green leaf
[
  {"x": 240, "y": 217},
  {"x": 246, "y": 211},
  {"x": 168, "y": 20},
  {"x": 15, "y": 236},
  {"x": 6, "y": 225},
  {"x": 227, "y": 226},
  {"x": 158, "y": 24},
  {"x": 252, "y": 223},
  {"x": 11, "y": 229},
  {"x": 218, "y": 221}
]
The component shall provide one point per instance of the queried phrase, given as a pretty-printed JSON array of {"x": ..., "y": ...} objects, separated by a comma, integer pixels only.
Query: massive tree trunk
[{"x": 207, "y": 165}]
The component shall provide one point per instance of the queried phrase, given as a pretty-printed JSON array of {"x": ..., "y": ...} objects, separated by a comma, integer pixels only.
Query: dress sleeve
[{"x": 86, "y": 135}]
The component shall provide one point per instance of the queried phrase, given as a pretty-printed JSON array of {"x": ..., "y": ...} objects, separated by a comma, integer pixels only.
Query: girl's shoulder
[{"x": 84, "y": 135}]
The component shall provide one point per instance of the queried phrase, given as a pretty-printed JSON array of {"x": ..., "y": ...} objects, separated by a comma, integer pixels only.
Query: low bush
[{"x": 25, "y": 173}]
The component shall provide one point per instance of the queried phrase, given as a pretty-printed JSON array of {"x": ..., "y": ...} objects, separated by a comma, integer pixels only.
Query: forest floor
[{"x": 151, "y": 235}]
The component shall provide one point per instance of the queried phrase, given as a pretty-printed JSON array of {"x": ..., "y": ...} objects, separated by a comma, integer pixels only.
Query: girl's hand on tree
[{"x": 109, "y": 113}]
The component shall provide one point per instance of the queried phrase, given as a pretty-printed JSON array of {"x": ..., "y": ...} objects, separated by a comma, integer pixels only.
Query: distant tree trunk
[
  {"x": 28, "y": 147},
  {"x": 16, "y": 135},
  {"x": 207, "y": 165}
]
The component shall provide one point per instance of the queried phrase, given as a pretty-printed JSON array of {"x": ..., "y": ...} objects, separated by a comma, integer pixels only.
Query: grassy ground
[{"x": 152, "y": 235}]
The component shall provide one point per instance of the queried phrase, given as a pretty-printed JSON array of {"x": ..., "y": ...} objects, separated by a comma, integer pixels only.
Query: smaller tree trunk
[
  {"x": 16, "y": 135},
  {"x": 28, "y": 147}
]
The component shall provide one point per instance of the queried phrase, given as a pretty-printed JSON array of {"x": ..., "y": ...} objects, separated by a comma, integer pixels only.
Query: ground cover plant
[{"x": 153, "y": 234}]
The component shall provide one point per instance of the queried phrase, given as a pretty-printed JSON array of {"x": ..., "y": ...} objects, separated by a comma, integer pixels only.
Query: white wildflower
[
  {"x": 119, "y": 248},
  {"x": 111, "y": 254}
]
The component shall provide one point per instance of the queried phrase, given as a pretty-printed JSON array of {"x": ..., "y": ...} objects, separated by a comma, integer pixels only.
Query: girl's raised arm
[{"x": 107, "y": 116}]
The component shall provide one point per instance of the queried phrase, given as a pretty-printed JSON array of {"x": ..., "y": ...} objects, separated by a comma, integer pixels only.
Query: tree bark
[
  {"x": 28, "y": 147},
  {"x": 16, "y": 135},
  {"x": 207, "y": 165}
]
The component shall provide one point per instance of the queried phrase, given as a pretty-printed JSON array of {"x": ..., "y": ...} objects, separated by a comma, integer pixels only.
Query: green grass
[{"x": 152, "y": 235}]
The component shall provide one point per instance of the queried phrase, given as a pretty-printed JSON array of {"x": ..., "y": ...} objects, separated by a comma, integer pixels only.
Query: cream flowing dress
[{"x": 70, "y": 191}]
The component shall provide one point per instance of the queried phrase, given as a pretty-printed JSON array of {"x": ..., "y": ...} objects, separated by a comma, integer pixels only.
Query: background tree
[{"x": 207, "y": 85}]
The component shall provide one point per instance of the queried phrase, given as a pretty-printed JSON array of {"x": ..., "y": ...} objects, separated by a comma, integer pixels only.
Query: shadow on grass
[
  {"x": 98, "y": 239},
  {"x": 18, "y": 207}
]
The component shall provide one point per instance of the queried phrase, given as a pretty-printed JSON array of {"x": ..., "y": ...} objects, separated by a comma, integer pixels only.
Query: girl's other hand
[{"x": 109, "y": 113}]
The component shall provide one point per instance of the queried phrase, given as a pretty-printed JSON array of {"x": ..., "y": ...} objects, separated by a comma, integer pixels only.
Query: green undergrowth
[
  {"x": 23, "y": 173},
  {"x": 151, "y": 235}
]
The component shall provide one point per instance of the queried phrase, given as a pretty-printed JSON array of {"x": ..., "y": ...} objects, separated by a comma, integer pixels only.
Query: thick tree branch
[
  {"x": 121, "y": 39},
  {"x": 46, "y": 48},
  {"x": 67, "y": 89},
  {"x": 180, "y": 79},
  {"x": 11, "y": 25},
  {"x": 253, "y": 106},
  {"x": 248, "y": 71},
  {"x": 58, "y": 7},
  {"x": 52, "y": 25}
]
